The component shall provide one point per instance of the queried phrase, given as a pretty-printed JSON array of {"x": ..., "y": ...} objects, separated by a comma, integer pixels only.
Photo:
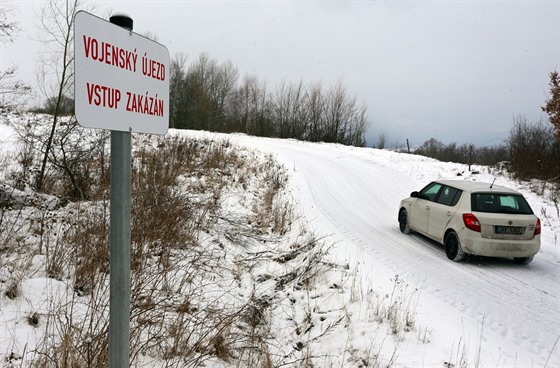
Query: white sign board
[{"x": 121, "y": 79}]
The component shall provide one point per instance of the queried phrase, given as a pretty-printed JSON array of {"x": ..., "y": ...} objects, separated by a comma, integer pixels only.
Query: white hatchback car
[{"x": 473, "y": 218}]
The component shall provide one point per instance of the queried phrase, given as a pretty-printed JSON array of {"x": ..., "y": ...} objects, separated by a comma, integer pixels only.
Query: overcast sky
[{"x": 457, "y": 71}]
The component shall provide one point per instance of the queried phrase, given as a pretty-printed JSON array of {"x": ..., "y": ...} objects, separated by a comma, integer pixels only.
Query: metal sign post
[
  {"x": 121, "y": 84},
  {"x": 119, "y": 256},
  {"x": 119, "y": 253}
]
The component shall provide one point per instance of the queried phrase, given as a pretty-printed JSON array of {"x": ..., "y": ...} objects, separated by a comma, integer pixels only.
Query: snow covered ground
[
  {"x": 505, "y": 315},
  {"x": 482, "y": 312}
]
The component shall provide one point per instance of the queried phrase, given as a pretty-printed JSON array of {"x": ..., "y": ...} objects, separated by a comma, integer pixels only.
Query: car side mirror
[{"x": 414, "y": 194}]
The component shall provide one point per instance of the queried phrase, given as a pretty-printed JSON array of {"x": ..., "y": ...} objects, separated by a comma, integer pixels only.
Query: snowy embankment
[{"x": 381, "y": 299}]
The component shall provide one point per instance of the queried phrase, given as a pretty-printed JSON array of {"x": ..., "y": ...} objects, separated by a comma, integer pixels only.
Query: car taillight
[
  {"x": 471, "y": 222},
  {"x": 538, "y": 227}
]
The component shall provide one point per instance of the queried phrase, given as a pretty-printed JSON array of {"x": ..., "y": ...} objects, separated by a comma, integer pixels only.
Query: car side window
[
  {"x": 449, "y": 196},
  {"x": 430, "y": 192}
]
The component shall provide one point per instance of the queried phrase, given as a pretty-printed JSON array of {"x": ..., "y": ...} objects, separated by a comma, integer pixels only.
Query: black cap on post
[{"x": 122, "y": 20}]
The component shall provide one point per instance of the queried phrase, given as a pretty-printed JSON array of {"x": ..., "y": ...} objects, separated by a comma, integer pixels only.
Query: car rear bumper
[{"x": 499, "y": 248}]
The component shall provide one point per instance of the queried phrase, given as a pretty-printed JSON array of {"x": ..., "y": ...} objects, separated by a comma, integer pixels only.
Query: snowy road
[{"x": 510, "y": 312}]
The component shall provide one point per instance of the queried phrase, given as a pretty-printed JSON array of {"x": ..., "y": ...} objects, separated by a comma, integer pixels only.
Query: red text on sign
[
  {"x": 153, "y": 69},
  {"x": 103, "y": 96},
  {"x": 110, "y": 54},
  {"x": 144, "y": 104}
]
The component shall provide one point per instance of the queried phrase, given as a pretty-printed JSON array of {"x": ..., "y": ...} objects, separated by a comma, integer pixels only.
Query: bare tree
[
  {"x": 252, "y": 107},
  {"x": 8, "y": 29},
  {"x": 345, "y": 121},
  {"x": 431, "y": 148},
  {"x": 203, "y": 98},
  {"x": 56, "y": 74},
  {"x": 290, "y": 114},
  {"x": 177, "y": 75},
  {"x": 316, "y": 111},
  {"x": 382, "y": 140},
  {"x": 358, "y": 125},
  {"x": 535, "y": 154},
  {"x": 244, "y": 102},
  {"x": 12, "y": 90},
  {"x": 223, "y": 81}
]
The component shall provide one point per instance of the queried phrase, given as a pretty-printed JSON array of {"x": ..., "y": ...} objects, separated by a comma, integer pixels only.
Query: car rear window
[{"x": 500, "y": 203}]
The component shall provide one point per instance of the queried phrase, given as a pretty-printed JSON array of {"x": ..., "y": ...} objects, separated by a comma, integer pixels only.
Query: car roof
[{"x": 476, "y": 186}]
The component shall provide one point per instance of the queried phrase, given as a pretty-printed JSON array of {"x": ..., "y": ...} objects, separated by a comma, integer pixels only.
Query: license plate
[{"x": 509, "y": 230}]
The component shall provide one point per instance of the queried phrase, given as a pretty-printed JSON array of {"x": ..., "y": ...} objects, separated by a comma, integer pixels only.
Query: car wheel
[
  {"x": 523, "y": 260},
  {"x": 453, "y": 248},
  {"x": 403, "y": 222}
]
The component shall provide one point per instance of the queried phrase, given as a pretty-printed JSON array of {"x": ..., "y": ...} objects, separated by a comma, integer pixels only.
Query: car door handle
[
  {"x": 427, "y": 208},
  {"x": 448, "y": 213}
]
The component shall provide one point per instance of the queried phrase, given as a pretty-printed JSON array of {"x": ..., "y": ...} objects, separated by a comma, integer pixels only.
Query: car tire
[
  {"x": 523, "y": 260},
  {"x": 453, "y": 248},
  {"x": 403, "y": 222}
]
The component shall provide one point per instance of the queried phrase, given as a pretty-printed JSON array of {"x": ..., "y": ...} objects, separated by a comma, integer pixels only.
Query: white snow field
[
  {"x": 504, "y": 314},
  {"x": 484, "y": 312}
]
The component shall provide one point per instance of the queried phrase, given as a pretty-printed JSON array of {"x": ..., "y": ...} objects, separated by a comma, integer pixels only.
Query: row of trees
[
  {"x": 531, "y": 148},
  {"x": 210, "y": 96},
  {"x": 465, "y": 153}
]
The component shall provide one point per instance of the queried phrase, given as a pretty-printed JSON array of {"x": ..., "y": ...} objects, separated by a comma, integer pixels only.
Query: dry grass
[{"x": 191, "y": 258}]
